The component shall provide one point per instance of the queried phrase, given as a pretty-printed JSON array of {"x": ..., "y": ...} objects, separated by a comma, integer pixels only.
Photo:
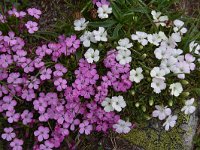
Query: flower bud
[
  {"x": 72, "y": 57},
  {"x": 100, "y": 46},
  {"x": 144, "y": 56},
  {"x": 137, "y": 104},
  {"x": 115, "y": 44},
  {"x": 147, "y": 117},
  {"x": 135, "y": 18},
  {"x": 147, "y": 72},
  {"x": 141, "y": 47},
  {"x": 132, "y": 92},
  {"x": 184, "y": 82},
  {"x": 170, "y": 102},
  {"x": 185, "y": 94},
  {"x": 151, "y": 102},
  {"x": 149, "y": 79},
  {"x": 144, "y": 109}
]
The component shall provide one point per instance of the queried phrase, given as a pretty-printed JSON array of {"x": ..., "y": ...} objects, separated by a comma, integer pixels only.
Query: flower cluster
[
  {"x": 26, "y": 83},
  {"x": 41, "y": 90}
]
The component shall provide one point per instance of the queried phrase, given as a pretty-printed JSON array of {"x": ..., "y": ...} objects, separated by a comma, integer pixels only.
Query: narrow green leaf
[
  {"x": 116, "y": 31},
  {"x": 107, "y": 23},
  {"x": 116, "y": 11}
]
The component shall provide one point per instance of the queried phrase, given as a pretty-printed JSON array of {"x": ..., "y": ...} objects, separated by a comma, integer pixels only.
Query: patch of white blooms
[
  {"x": 115, "y": 103},
  {"x": 92, "y": 55},
  {"x": 161, "y": 112},
  {"x": 136, "y": 75},
  {"x": 124, "y": 54},
  {"x": 100, "y": 35},
  {"x": 176, "y": 89},
  {"x": 141, "y": 37},
  {"x": 165, "y": 113},
  {"x": 87, "y": 38},
  {"x": 122, "y": 126},
  {"x": 80, "y": 24},
  {"x": 170, "y": 122},
  {"x": 158, "y": 85},
  {"x": 158, "y": 19},
  {"x": 103, "y": 11},
  {"x": 189, "y": 107},
  {"x": 172, "y": 61},
  {"x": 194, "y": 47}
]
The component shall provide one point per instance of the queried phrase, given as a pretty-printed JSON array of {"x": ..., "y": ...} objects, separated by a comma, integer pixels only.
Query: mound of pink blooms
[{"x": 34, "y": 92}]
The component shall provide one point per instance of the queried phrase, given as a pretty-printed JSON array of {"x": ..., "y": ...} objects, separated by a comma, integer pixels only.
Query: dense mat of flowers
[{"x": 34, "y": 79}]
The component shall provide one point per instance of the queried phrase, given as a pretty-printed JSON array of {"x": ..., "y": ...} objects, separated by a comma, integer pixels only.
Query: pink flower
[
  {"x": 47, "y": 145},
  {"x": 60, "y": 84},
  {"x": 33, "y": 83},
  {"x": 46, "y": 74},
  {"x": 8, "y": 134},
  {"x": 10, "y": 39},
  {"x": 85, "y": 127},
  {"x": 12, "y": 116},
  {"x": 2, "y": 19},
  {"x": 28, "y": 94},
  {"x": 102, "y": 2},
  {"x": 34, "y": 12},
  {"x": 17, "y": 14},
  {"x": 14, "y": 78},
  {"x": 40, "y": 105},
  {"x": 60, "y": 70},
  {"x": 42, "y": 133},
  {"x": 5, "y": 60},
  {"x": 28, "y": 65},
  {"x": 16, "y": 144},
  {"x": 38, "y": 63},
  {"x": 9, "y": 103},
  {"x": 26, "y": 117},
  {"x": 31, "y": 26}
]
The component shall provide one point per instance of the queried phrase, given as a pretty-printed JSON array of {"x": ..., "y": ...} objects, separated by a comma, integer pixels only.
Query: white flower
[
  {"x": 170, "y": 122},
  {"x": 158, "y": 85},
  {"x": 122, "y": 126},
  {"x": 194, "y": 47},
  {"x": 136, "y": 75},
  {"x": 189, "y": 108},
  {"x": 176, "y": 89},
  {"x": 124, "y": 44},
  {"x": 161, "y": 112},
  {"x": 92, "y": 55},
  {"x": 80, "y": 24},
  {"x": 100, "y": 35},
  {"x": 169, "y": 43},
  {"x": 87, "y": 38},
  {"x": 176, "y": 37},
  {"x": 162, "y": 52},
  {"x": 124, "y": 57},
  {"x": 154, "y": 39},
  {"x": 103, "y": 11},
  {"x": 168, "y": 64},
  {"x": 141, "y": 37},
  {"x": 158, "y": 19},
  {"x": 157, "y": 72},
  {"x": 118, "y": 103},
  {"x": 179, "y": 26},
  {"x": 107, "y": 104}
]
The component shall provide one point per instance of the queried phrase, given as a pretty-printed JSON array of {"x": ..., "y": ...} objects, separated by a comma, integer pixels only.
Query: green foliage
[{"x": 197, "y": 142}]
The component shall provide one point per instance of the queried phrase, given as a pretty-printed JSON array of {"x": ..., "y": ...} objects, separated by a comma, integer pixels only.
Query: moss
[{"x": 152, "y": 138}]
